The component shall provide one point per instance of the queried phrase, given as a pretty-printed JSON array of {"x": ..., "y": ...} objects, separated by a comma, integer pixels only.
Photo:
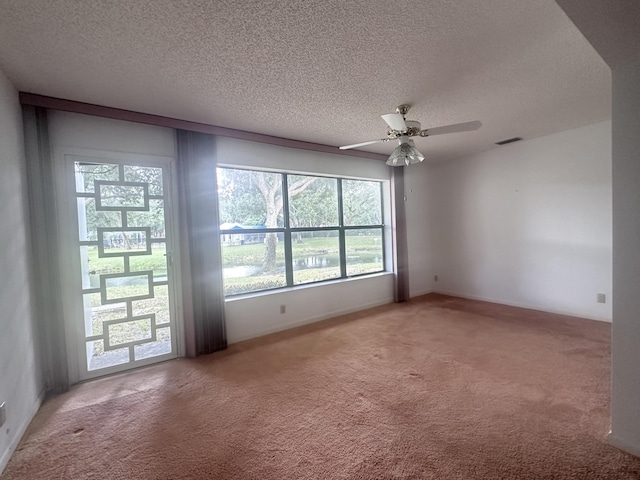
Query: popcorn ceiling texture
[
  {"x": 322, "y": 72},
  {"x": 611, "y": 27}
]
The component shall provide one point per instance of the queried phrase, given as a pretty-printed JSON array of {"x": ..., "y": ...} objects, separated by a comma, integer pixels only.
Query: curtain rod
[{"x": 160, "y": 121}]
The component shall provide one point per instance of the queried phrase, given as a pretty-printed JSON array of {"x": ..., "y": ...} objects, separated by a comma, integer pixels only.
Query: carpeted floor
[{"x": 438, "y": 388}]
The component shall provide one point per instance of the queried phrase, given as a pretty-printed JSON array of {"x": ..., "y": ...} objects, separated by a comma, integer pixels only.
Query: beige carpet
[{"x": 439, "y": 388}]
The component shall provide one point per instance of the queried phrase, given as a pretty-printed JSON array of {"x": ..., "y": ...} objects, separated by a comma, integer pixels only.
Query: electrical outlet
[
  {"x": 3, "y": 413},
  {"x": 602, "y": 298},
  {"x": 283, "y": 309},
  {"x": 435, "y": 278}
]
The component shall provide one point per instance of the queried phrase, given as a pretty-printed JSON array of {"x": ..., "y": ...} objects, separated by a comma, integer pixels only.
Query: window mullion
[
  {"x": 288, "y": 252},
  {"x": 382, "y": 230},
  {"x": 341, "y": 233}
]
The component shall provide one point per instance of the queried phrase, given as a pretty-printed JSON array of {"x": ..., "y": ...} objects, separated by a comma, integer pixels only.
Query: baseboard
[
  {"x": 522, "y": 305},
  {"x": 325, "y": 316},
  {"x": 420, "y": 293},
  {"x": 318, "y": 318},
  {"x": 617, "y": 442},
  {"x": 6, "y": 455}
]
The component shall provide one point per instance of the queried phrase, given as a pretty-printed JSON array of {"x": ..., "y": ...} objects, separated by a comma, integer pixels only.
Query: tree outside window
[{"x": 280, "y": 229}]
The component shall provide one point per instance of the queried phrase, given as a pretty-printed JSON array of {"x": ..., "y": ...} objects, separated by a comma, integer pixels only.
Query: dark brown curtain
[
  {"x": 399, "y": 226},
  {"x": 45, "y": 247},
  {"x": 201, "y": 259}
]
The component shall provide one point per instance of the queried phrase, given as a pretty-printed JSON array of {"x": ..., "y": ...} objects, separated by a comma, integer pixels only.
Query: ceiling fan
[{"x": 402, "y": 130}]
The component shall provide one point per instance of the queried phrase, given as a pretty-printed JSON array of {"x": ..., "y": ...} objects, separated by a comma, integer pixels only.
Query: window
[{"x": 280, "y": 230}]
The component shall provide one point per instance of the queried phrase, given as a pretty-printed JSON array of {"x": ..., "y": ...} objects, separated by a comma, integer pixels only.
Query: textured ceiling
[
  {"x": 613, "y": 28},
  {"x": 321, "y": 71}
]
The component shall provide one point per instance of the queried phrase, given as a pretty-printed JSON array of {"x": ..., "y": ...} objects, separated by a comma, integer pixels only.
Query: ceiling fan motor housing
[
  {"x": 403, "y": 109},
  {"x": 413, "y": 128}
]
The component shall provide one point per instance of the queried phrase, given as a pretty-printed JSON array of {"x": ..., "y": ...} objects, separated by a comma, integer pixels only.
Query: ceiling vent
[{"x": 509, "y": 140}]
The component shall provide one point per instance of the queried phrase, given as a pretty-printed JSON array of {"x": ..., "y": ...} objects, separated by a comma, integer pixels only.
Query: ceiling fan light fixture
[
  {"x": 404, "y": 154},
  {"x": 402, "y": 130}
]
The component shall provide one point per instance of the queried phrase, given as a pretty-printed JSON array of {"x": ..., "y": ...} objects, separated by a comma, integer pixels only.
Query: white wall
[
  {"x": 84, "y": 131},
  {"x": 625, "y": 399},
  {"x": 259, "y": 314},
  {"x": 615, "y": 35},
  {"x": 419, "y": 229},
  {"x": 527, "y": 224},
  {"x": 232, "y": 151},
  {"x": 21, "y": 384}
]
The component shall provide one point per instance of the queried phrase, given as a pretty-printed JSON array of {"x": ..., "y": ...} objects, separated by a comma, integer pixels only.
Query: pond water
[
  {"x": 239, "y": 272},
  {"x": 315, "y": 261}
]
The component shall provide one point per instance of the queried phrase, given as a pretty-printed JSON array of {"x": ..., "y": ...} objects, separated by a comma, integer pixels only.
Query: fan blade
[
  {"x": 395, "y": 121},
  {"x": 455, "y": 128},
  {"x": 355, "y": 145}
]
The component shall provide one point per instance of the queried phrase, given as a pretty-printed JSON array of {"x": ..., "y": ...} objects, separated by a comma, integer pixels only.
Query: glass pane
[
  {"x": 87, "y": 172},
  {"x": 93, "y": 266},
  {"x": 150, "y": 175},
  {"x": 157, "y": 262},
  {"x": 364, "y": 251},
  {"x": 95, "y": 313},
  {"x": 316, "y": 256},
  {"x": 122, "y": 196},
  {"x": 97, "y": 358},
  {"x": 252, "y": 262},
  {"x": 126, "y": 255},
  {"x": 249, "y": 199},
  {"x": 126, "y": 286},
  {"x": 161, "y": 346},
  {"x": 131, "y": 331},
  {"x": 116, "y": 242},
  {"x": 313, "y": 201},
  {"x": 159, "y": 305},
  {"x": 89, "y": 219},
  {"x": 361, "y": 202},
  {"x": 154, "y": 218}
]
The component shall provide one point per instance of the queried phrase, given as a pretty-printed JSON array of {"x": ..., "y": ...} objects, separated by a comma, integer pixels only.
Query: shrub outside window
[{"x": 280, "y": 230}]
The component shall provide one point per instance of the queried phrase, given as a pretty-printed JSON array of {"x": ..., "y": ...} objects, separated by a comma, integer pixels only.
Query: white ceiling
[
  {"x": 319, "y": 71},
  {"x": 613, "y": 28}
]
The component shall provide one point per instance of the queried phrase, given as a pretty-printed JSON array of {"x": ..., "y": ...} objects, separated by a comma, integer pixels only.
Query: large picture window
[{"x": 280, "y": 230}]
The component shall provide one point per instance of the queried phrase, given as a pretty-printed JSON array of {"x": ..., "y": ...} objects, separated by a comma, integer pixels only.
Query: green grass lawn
[
  {"x": 155, "y": 261},
  {"x": 240, "y": 255},
  {"x": 135, "y": 329},
  {"x": 363, "y": 252},
  {"x": 364, "y": 255}
]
